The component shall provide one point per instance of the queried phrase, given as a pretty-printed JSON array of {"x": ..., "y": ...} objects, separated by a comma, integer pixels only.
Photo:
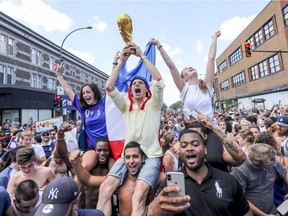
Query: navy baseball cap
[
  {"x": 141, "y": 78},
  {"x": 282, "y": 121}
]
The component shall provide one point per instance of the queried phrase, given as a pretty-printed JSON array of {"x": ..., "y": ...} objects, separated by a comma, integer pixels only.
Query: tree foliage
[{"x": 177, "y": 105}]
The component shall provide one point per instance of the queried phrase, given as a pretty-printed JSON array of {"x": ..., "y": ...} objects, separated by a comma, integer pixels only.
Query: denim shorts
[{"x": 149, "y": 172}]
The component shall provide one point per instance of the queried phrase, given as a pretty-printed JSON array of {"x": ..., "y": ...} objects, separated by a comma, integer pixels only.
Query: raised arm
[
  {"x": 210, "y": 68},
  {"x": 61, "y": 147},
  {"x": 179, "y": 82},
  {"x": 151, "y": 68},
  {"x": 62, "y": 81},
  {"x": 235, "y": 151},
  {"x": 82, "y": 174},
  {"x": 124, "y": 55}
]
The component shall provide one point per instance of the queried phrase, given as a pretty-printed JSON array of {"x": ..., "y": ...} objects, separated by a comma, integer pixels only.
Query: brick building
[
  {"x": 262, "y": 79},
  {"x": 27, "y": 79}
]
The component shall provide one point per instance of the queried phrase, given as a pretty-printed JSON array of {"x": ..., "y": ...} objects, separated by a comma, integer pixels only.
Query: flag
[
  {"x": 12, "y": 143},
  {"x": 114, "y": 119}
]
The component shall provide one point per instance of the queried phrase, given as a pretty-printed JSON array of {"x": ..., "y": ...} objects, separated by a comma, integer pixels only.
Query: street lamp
[
  {"x": 61, "y": 49},
  {"x": 59, "y": 88}
]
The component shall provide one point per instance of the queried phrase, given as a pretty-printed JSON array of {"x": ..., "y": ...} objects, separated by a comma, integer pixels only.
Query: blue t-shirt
[
  {"x": 5, "y": 200},
  {"x": 95, "y": 120}
]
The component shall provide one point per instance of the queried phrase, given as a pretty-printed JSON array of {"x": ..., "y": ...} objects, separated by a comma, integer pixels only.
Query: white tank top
[{"x": 175, "y": 164}]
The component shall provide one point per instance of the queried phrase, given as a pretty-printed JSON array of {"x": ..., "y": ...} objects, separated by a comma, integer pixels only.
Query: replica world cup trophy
[{"x": 124, "y": 22}]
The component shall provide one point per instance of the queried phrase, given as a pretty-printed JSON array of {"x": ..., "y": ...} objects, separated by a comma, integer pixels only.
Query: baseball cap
[
  {"x": 57, "y": 197},
  {"x": 44, "y": 132},
  {"x": 141, "y": 78},
  {"x": 282, "y": 121}
]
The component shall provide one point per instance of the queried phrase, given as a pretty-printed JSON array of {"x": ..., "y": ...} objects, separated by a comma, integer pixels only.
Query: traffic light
[
  {"x": 57, "y": 102},
  {"x": 247, "y": 49}
]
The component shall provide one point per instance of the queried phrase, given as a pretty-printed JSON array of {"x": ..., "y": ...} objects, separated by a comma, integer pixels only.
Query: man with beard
[
  {"x": 141, "y": 115},
  {"x": 282, "y": 131},
  {"x": 134, "y": 158},
  {"x": 101, "y": 169},
  {"x": 209, "y": 191}
]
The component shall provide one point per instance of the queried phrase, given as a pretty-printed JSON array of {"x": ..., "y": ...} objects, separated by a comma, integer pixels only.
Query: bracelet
[
  {"x": 115, "y": 63},
  {"x": 60, "y": 138},
  {"x": 160, "y": 47},
  {"x": 143, "y": 57}
]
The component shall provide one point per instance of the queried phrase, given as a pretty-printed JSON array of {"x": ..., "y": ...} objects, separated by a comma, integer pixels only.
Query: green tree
[
  {"x": 177, "y": 105},
  {"x": 164, "y": 106}
]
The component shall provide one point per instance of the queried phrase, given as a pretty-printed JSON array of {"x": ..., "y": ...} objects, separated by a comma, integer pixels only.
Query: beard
[{"x": 282, "y": 133}]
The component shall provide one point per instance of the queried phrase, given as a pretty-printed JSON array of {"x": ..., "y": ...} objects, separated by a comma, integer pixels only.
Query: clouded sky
[{"x": 183, "y": 27}]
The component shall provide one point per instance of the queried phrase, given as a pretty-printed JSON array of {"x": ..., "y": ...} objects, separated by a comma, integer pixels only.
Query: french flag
[
  {"x": 114, "y": 120},
  {"x": 12, "y": 143}
]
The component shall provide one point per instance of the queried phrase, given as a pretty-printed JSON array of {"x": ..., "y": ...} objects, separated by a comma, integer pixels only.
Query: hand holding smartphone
[{"x": 176, "y": 178}]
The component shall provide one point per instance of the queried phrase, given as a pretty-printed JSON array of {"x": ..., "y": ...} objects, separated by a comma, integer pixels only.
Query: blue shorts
[{"x": 149, "y": 172}]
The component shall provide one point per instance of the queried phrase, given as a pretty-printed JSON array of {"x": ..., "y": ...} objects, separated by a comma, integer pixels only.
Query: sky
[{"x": 184, "y": 28}]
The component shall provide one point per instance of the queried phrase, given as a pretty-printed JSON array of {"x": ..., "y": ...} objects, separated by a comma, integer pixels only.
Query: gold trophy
[{"x": 124, "y": 22}]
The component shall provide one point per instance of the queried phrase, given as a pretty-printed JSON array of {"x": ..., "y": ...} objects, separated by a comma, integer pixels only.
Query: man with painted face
[{"x": 141, "y": 113}]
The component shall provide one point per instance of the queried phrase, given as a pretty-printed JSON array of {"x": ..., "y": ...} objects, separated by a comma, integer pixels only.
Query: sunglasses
[{"x": 44, "y": 135}]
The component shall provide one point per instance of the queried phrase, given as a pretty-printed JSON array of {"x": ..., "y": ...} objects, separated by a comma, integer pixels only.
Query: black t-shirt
[{"x": 215, "y": 152}]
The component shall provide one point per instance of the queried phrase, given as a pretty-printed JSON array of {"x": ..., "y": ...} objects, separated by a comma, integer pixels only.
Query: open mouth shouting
[
  {"x": 132, "y": 169},
  {"x": 191, "y": 158}
]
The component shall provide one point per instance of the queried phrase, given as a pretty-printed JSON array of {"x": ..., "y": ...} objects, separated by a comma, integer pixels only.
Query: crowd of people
[{"x": 234, "y": 162}]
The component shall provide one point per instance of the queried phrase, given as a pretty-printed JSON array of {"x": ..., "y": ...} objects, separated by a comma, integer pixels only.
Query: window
[
  {"x": 236, "y": 56},
  {"x": 82, "y": 76},
  {"x": 274, "y": 64},
  {"x": 6, "y": 75},
  {"x": 36, "y": 81},
  {"x": 51, "y": 85},
  {"x": 238, "y": 79},
  {"x": 269, "y": 30},
  {"x": 258, "y": 38},
  {"x": 36, "y": 57},
  {"x": 10, "y": 48},
  {"x": 222, "y": 67},
  {"x": 51, "y": 63},
  {"x": 285, "y": 15},
  {"x": 224, "y": 85},
  {"x": 254, "y": 72},
  {"x": 72, "y": 71},
  {"x": 263, "y": 68},
  {"x": 7, "y": 45}
]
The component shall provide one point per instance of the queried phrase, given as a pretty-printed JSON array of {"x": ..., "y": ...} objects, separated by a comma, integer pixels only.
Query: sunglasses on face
[{"x": 45, "y": 135}]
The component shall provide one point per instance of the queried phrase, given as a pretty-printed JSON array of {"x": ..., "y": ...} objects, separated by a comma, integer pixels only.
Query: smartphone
[
  {"x": 176, "y": 178},
  {"x": 283, "y": 208}
]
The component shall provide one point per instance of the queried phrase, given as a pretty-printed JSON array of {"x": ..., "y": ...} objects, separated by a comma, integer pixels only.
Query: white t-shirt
[
  {"x": 194, "y": 99},
  {"x": 39, "y": 152},
  {"x": 71, "y": 141}
]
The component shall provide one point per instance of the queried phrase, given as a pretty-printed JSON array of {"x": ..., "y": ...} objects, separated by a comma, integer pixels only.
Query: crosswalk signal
[
  {"x": 57, "y": 102},
  {"x": 247, "y": 49}
]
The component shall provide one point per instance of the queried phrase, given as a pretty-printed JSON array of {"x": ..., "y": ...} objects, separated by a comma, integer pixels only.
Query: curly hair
[
  {"x": 267, "y": 138},
  {"x": 248, "y": 136}
]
